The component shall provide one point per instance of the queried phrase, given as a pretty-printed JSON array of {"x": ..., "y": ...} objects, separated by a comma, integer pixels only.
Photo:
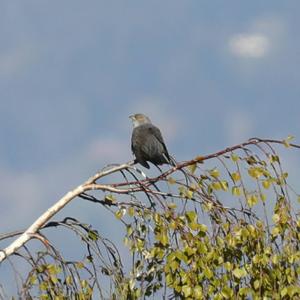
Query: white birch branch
[{"x": 60, "y": 204}]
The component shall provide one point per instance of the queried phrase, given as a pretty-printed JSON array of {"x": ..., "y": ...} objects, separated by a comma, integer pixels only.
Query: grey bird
[{"x": 147, "y": 143}]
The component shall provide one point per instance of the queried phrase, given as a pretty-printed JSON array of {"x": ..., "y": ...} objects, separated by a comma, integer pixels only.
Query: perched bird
[{"x": 147, "y": 143}]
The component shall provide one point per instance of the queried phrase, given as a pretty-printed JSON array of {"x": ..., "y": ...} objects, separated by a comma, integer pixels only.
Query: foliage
[{"x": 221, "y": 226}]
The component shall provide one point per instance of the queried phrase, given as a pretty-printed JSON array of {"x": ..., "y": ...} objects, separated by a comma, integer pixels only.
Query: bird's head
[{"x": 139, "y": 119}]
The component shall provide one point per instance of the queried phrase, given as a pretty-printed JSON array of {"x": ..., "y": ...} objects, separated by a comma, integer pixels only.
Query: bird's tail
[{"x": 172, "y": 161}]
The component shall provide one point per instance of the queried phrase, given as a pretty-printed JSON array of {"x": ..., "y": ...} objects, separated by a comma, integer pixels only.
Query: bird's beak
[{"x": 131, "y": 117}]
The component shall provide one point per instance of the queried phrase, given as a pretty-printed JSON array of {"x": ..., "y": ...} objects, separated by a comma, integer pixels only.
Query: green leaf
[
  {"x": 186, "y": 290},
  {"x": 84, "y": 283},
  {"x": 256, "y": 284},
  {"x": 214, "y": 173},
  {"x": 202, "y": 248},
  {"x": 131, "y": 211},
  {"x": 174, "y": 265},
  {"x": 263, "y": 197},
  {"x": 275, "y": 259},
  {"x": 266, "y": 183},
  {"x": 93, "y": 235},
  {"x": 32, "y": 279},
  {"x": 43, "y": 286},
  {"x": 224, "y": 185},
  {"x": 220, "y": 242},
  {"x": 194, "y": 226},
  {"x": 120, "y": 213},
  {"x": 79, "y": 265},
  {"x": 275, "y": 231},
  {"x": 252, "y": 200},
  {"x": 192, "y": 168},
  {"x": 202, "y": 228},
  {"x": 274, "y": 158},
  {"x": 293, "y": 290},
  {"x": 208, "y": 273},
  {"x": 197, "y": 292},
  {"x": 286, "y": 142},
  {"x": 236, "y": 191},
  {"x": 191, "y": 216},
  {"x": 236, "y": 176},
  {"x": 251, "y": 160},
  {"x": 53, "y": 279},
  {"x": 181, "y": 256},
  {"x": 110, "y": 198},
  {"x": 283, "y": 292},
  {"x": 169, "y": 279},
  {"x": 227, "y": 292},
  {"x": 69, "y": 280},
  {"x": 216, "y": 185},
  {"x": 172, "y": 205},
  {"x": 239, "y": 272},
  {"x": 162, "y": 238},
  {"x": 244, "y": 291},
  {"x": 275, "y": 218},
  {"x": 53, "y": 269},
  {"x": 256, "y": 259},
  {"x": 234, "y": 157},
  {"x": 190, "y": 251},
  {"x": 255, "y": 172},
  {"x": 189, "y": 194}
]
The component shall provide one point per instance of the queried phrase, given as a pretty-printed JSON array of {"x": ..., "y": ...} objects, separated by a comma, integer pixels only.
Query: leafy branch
[{"x": 233, "y": 252}]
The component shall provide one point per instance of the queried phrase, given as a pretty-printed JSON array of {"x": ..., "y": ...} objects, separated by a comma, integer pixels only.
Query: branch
[
  {"x": 46, "y": 216},
  {"x": 129, "y": 187}
]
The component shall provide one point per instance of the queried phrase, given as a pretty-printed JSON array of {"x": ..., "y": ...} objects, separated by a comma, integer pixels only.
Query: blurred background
[{"x": 209, "y": 74}]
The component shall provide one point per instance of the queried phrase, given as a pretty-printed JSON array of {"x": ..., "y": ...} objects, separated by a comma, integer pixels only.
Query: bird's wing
[
  {"x": 157, "y": 134},
  {"x": 136, "y": 147}
]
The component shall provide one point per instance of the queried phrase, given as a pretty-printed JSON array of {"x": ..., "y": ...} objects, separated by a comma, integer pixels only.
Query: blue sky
[{"x": 208, "y": 73}]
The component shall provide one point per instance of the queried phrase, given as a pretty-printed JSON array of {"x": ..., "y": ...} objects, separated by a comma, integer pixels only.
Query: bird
[{"x": 147, "y": 143}]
